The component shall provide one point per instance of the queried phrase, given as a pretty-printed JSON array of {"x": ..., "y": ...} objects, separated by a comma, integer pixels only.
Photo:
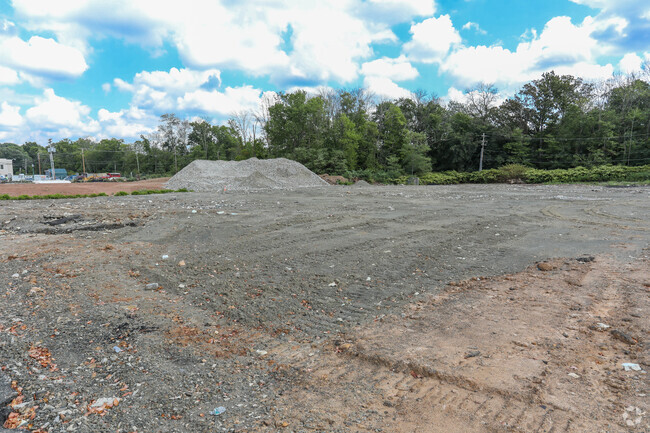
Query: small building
[
  {"x": 6, "y": 168},
  {"x": 60, "y": 173}
]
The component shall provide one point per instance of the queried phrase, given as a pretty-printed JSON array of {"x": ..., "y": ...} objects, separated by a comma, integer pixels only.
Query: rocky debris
[
  {"x": 63, "y": 220},
  {"x": 7, "y": 393},
  {"x": 622, "y": 336},
  {"x": 545, "y": 266},
  {"x": 361, "y": 183},
  {"x": 248, "y": 175}
]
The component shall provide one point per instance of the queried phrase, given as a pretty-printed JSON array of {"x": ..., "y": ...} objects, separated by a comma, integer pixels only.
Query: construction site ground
[
  {"x": 472, "y": 308},
  {"x": 108, "y": 187}
]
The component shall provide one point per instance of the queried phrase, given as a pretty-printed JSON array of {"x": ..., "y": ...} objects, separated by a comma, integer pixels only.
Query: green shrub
[
  {"x": 121, "y": 193},
  {"x": 512, "y": 172}
]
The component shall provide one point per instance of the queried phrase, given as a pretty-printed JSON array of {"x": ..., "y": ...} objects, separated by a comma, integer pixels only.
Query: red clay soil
[{"x": 16, "y": 189}]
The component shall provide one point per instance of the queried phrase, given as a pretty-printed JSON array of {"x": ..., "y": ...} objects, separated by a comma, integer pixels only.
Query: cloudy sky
[{"x": 110, "y": 68}]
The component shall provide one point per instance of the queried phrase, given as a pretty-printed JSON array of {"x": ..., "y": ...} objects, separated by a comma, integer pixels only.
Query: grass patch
[
  {"x": 99, "y": 194},
  {"x": 50, "y": 196},
  {"x": 158, "y": 191}
]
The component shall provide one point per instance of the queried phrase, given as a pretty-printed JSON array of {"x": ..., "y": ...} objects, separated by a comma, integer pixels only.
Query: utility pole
[
  {"x": 83, "y": 161},
  {"x": 137, "y": 161},
  {"x": 51, "y": 149},
  {"x": 480, "y": 164},
  {"x": 39, "y": 163}
]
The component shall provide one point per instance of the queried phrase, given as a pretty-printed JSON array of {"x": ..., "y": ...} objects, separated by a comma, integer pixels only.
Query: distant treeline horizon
[{"x": 557, "y": 121}]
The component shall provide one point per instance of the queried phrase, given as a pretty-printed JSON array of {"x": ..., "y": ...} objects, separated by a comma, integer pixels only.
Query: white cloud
[
  {"x": 221, "y": 103},
  {"x": 299, "y": 43},
  {"x": 620, "y": 24},
  {"x": 178, "y": 80},
  {"x": 432, "y": 39},
  {"x": 385, "y": 88},
  {"x": 55, "y": 113},
  {"x": 469, "y": 25},
  {"x": 8, "y": 76},
  {"x": 562, "y": 46},
  {"x": 453, "y": 94},
  {"x": 394, "y": 11},
  {"x": 10, "y": 115},
  {"x": 129, "y": 123},
  {"x": 630, "y": 63},
  {"x": 106, "y": 87},
  {"x": 41, "y": 57},
  {"x": 188, "y": 90},
  {"x": 398, "y": 69}
]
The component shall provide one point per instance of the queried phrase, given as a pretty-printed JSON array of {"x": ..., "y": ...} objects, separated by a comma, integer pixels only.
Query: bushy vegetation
[{"x": 519, "y": 173}]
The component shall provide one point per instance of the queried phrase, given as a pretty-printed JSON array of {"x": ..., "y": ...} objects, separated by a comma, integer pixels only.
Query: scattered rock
[
  {"x": 6, "y": 392},
  {"x": 472, "y": 354},
  {"x": 152, "y": 286},
  {"x": 622, "y": 336},
  {"x": 545, "y": 266}
]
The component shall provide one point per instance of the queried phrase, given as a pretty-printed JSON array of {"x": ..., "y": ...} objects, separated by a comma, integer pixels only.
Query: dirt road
[
  {"x": 330, "y": 310},
  {"x": 16, "y": 189}
]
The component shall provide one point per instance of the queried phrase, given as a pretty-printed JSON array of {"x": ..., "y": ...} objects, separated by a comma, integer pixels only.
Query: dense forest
[{"x": 553, "y": 122}]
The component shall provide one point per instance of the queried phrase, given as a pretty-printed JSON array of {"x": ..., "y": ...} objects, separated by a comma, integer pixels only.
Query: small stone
[
  {"x": 545, "y": 267},
  {"x": 15, "y": 276},
  {"x": 622, "y": 336},
  {"x": 152, "y": 286},
  {"x": 472, "y": 354},
  {"x": 573, "y": 375},
  {"x": 181, "y": 263}
]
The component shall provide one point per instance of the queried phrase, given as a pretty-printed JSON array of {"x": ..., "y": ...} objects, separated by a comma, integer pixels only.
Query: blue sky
[{"x": 99, "y": 68}]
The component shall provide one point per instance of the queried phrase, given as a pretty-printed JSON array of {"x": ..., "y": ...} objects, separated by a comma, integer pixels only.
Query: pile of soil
[{"x": 251, "y": 174}]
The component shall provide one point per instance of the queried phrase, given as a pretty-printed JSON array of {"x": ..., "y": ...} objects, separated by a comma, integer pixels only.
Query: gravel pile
[{"x": 249, "y": 175}]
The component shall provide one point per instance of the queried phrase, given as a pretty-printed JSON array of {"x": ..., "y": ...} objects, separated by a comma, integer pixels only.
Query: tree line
[{"x": 556, "y": 121}]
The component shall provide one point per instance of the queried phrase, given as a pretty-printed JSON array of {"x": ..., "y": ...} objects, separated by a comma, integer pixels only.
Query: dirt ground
[
  {"x": 16, "y": 189},
  {"x": 475, "y": 308}
]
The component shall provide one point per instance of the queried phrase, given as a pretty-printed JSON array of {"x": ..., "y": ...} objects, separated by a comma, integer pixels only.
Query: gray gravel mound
[{"x": 249, "y": 175}]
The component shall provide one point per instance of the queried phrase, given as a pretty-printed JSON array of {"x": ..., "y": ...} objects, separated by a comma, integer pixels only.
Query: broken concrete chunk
[{"x": 6, "y": 392}]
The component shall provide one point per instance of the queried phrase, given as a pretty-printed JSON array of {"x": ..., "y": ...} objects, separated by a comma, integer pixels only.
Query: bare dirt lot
[
  {"x": 341, "y": 309},
  {"x": 16, "y": 189}
]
